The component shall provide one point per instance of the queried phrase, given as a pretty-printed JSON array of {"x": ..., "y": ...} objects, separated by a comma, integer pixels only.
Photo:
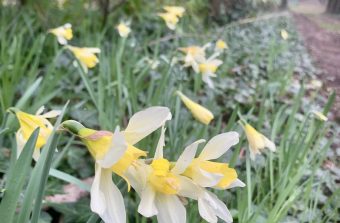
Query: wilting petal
[
  {"x": 170, "y": 209},
  {"x": 160, "y": 145},
  {"x": 106, "y": 199},
  {"x": 219, "y": 145},
  {"x": 236, "y": 183},
  {"x": 116, "y": 151},
  {"x": 187, "y": 156},
  {"x": 269, "y": 144},
  {"x": 188, "y": 188},
  {"x": 145, "y": 122},
  {"x": 147, "y": 205},
  {"x": 206, "y": 179}
]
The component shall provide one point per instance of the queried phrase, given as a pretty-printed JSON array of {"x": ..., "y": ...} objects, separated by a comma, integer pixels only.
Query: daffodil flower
[
  {"x": 198, "y": 111},
  {"x": 123, "y": 29},
  {"x": 284, "y": 34},
  {"x": 176, "y": 10},
  {"x": 206, "y": 173},
  {"x": 63, "y": 33},
  {"x": 220, "y": 45},
  {"x": 320, "y": 116},
  {"x": 257, "y": 141},
  {"x": 194, "y": 56},
  {"x": 86, "y": 56},
  {"x": 159, "y": 187},
  {"x": 28, "y": 123},
  {"x": 170, "y": 19},
  {"x": 114, "y": 152},
  {"x": 208, "y": 69}
]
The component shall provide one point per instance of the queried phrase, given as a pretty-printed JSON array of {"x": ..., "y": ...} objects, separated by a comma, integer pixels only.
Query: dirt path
[{"x": 321, "y": 33}]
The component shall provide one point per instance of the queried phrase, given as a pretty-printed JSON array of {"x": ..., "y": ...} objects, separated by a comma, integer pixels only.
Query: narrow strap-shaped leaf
[
  {"x": 68, "y": 178},
  {"x": 16, "y": 181}
]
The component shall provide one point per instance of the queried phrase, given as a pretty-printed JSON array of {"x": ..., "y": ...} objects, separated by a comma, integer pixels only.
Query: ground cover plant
[{"x": 159, "y": 114}]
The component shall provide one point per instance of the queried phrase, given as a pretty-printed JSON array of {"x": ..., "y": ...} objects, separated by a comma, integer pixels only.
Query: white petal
[
  {"x": 20, "y": 142},
  {"x": 51, "y": 114},
  {"x": 147, "y": 205},
  {"x": 269, "y": 144},
  {"x": 188, "y": 188},
  {"x": 170, "y": 209},
  {"x": 187, "y": 156},
  {"x": 160, "y": 145},
  {"x": 219, "y": 145},
  {"x": 62, "y": 40},
  {"x": 206, "y": 211},
  {"x": 236, "y": 183},
  {"x": 220, "y": 208},
  {"x": 206, "y": 179},
  {"x": 206, "y": 79},
  {"x": 106, "y": 199},
  {"x": 40, "y": 110},
  {"x": 145, "y": 122},
  {"x": 36, "y": 154},
  {"x": 116, "y": 151},
  {"x": 97, "y": 196}
]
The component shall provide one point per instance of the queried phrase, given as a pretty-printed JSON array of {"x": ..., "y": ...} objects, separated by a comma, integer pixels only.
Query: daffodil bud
[{"x": 199, "y": 112}]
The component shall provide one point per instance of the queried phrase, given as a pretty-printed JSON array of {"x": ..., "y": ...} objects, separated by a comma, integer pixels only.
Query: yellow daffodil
[
  {"x": 284, "y": 34},
  {"x": 194, "y": 56},
  {"x": 206, "y": 173},
  {"x": 86, "y": 56},
  {"x": 159, "y": 188},
  {"x": 170, "y": 19},
  {"x": 220, "y": 45},
  {"x": 257, "y": 141},
  {"x": 208, "y": 69},
  {"x": 28, "y": 123},
  {"x": 176, "y": 10},
  {"x": 63, "y": 33},
  {"x": 114, "y": 152},
  {"x": 320, "y": 116},
  {"x": 198, "y": 111},
  {"x": 123, "y": 29}
]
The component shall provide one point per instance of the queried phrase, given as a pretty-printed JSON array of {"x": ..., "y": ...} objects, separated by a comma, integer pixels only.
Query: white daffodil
[
  {"x": 257, "y": 141},
  {"x": 320, "y": 116},
  {"x": 284, "y": 34},
  {"x": 86, "y": 56},
  {"x": 123, "y": 29},
  {"x": 159, "y": 187},
  {"x": 28, "y": 123},
  {"x": 220, "y": 46},
  {"x": 170, "y": 19},
  {"x": 194, "y": 56},
  {"x": 208, "y": 69},
  {"x": 206, "y": 173},
  {"x": 63, "y": 33},
  {"x": 114, "y": 152}
]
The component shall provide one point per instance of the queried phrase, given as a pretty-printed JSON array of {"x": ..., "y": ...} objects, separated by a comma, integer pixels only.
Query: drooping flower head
[
  {"x": 198, "y": 111},
  {"x": 115, "y": 152},
  {"x": 170, "y": 19},
  {"x": 28, "y": 123},
  {"x": 284, "y": 34},
  {"x": 257, "y": 141},
  {"x": 86, "y": 56},
  {"x": 63, "y": 33},
  {"x": 123, "y": 29},
  {"x": 220, "y": 45}
]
